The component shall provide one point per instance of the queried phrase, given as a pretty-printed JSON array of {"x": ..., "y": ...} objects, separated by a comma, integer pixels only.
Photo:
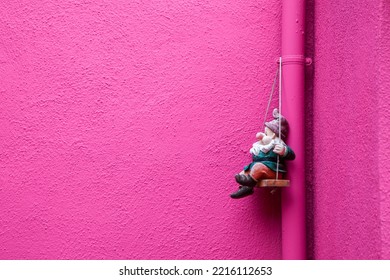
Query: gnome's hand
[{"x": 279, "y": 149}]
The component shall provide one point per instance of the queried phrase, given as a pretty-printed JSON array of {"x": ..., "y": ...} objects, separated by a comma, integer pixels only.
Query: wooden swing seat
[{"x": 273, "y": 183}]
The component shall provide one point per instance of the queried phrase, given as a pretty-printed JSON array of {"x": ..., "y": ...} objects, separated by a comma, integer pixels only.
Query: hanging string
[
  {"x": 270, "y": 97},
  {"x": 278, "y": 71},
  {"x": 280, "y": 111}
]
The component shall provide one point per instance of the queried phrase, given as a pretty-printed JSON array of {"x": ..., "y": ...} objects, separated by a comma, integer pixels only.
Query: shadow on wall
[{"x": 309, "y": 76}]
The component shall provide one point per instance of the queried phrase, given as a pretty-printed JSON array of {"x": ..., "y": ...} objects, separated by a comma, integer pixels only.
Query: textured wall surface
[
  {"x": 384, "y": 126},
  {"x": 123, "y": 123},
  {"x": 351, "y": 130}
]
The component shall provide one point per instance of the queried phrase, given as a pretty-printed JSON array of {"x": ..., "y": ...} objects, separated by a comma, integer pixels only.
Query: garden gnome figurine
[{"x": 265, "y": 156}]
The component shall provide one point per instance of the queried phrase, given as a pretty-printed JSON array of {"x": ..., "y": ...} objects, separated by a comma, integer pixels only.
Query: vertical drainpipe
[{"x": 293, "y": 66}]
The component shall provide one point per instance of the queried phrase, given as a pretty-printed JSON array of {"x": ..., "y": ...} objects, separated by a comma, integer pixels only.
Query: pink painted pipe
[{"x": 293, "y": 64}]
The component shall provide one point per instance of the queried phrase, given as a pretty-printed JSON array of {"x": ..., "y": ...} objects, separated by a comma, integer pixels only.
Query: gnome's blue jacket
[{"x": 270, "y": 159}]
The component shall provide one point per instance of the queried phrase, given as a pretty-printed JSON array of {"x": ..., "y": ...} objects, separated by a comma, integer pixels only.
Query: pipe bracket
[{"x": 295, "y": 59}]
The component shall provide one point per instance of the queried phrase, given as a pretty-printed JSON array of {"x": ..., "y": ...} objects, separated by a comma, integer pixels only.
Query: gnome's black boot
[
  {"x": 242, "y": 192},
  {"x": 245, "y": 180}
]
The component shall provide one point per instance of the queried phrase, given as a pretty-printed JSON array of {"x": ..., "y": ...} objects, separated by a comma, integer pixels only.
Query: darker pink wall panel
[
  {"x": 384, "y": 126},
  {"x": 123, "y": 123},
  {"x": 347, "y": 208}
]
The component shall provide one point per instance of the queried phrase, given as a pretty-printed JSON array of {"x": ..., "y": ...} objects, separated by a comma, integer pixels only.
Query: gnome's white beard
[
  {"x": 257, "y": 147},
  {"x": 260, "y": 146}
]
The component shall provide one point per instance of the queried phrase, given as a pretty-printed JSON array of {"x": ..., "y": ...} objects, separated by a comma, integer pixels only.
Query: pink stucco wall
[
  {"x": 123, "y": 123},
  {"x": 351, "y": 209}
]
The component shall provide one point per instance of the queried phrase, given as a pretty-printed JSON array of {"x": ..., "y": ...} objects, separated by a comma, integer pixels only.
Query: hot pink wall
[
  {"x": 351, "y": 130},
  {"x": 123, "y": 123}
]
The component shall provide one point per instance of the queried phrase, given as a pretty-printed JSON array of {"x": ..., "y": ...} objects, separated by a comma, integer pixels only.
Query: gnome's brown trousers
[{"x": 260, "y": 171}]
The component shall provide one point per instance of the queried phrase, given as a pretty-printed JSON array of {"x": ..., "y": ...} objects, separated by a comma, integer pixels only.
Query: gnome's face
[
  {"x": 265, "y": 138},
  {"x": 269, "y": 133}
]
